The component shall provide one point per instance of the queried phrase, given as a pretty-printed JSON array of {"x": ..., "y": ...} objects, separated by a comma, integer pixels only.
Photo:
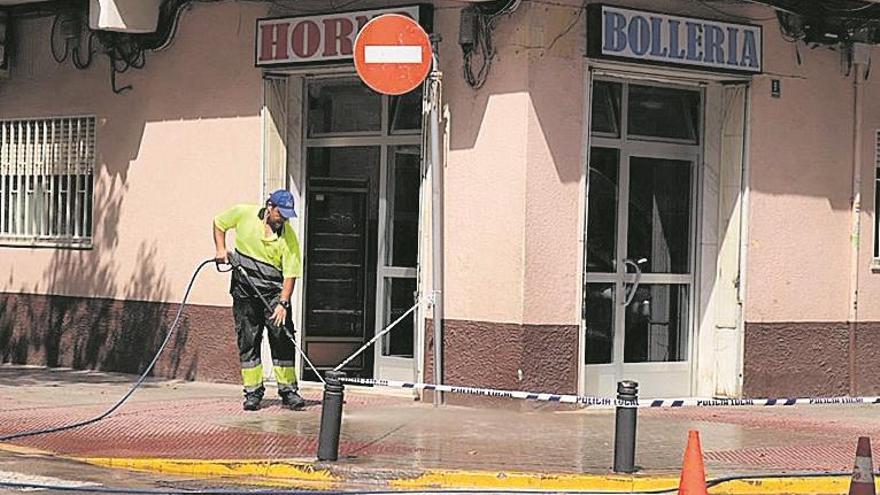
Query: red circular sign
[{"x": 392, "y": 54}]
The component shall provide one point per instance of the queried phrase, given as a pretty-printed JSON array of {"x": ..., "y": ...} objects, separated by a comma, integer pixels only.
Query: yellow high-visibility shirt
[{"x": 282, "y": 251}]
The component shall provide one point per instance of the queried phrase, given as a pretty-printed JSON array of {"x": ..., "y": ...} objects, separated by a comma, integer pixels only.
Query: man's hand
[
  {"x": 279, "y": 315},
  {"x": 222, "y": 257},
  {"x": 220, "y": 246}
]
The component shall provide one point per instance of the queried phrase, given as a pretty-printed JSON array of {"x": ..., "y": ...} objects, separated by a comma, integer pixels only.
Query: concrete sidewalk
[{"x": 198, "y": 428}]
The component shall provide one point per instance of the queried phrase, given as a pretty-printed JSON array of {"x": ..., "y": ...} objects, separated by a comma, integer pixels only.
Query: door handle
[{"x": 635, "y": 286}]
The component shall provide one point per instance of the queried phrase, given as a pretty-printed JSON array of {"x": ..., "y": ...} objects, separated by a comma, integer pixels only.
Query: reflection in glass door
[{"x": 639, "y": 261}]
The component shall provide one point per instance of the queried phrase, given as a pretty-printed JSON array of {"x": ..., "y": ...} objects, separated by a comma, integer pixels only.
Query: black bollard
[
  {"x": 625, "y": 428},
  {"x": 331, "y": 416}
]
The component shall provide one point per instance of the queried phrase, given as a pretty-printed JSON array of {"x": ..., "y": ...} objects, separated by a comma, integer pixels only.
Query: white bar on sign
[{"x": 396, "y": 54}]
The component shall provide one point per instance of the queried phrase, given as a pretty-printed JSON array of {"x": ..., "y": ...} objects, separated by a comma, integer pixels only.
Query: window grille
[{"x": 46, "y": 181}]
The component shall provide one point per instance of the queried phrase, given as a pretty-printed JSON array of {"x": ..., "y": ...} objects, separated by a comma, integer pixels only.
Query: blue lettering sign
[
  {"x": 732, "y": 49},
  {"x": 674, "y": 36},
  {"x": 615, "y": 36},
  {"x": 657, "y": 48},
  {"x": 714, "y": 50},
  {"x": 693, "y": 39},
  {"x": 632, "y": 34},
  {"x": 750, "y": 50},
  {"x": 639, "y": 35}
]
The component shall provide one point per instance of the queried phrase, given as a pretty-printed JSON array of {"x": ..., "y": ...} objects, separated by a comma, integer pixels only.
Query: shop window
[
  {"x": 403, "y": 198},
  {"x": 399, "y": 297},
  {"x": 46, "y": 181},
  {"x": 602, "y": 210},
  {"x": 665, "y": 113},
  {"x": 606, "y": 108},
  {"x": 657, "y": 322},
  {"x": 660, "y": 214},
  {"x": 348, "y": 162},
  {"x": 343, "y": 107},
  {"x": 600, "y": 323},
  {"x": 406, "y": 112}
]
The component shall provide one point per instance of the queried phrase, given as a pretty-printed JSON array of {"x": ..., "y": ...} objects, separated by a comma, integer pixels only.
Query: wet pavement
[{"x": 190, "y": 420}]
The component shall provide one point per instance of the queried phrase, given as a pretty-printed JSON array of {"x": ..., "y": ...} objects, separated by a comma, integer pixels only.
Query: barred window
[{"x": 46, "y": 181}]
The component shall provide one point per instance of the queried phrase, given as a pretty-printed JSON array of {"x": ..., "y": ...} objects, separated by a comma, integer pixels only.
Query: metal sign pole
[
  {"x": 383, "y": 60},
  {"x": 434, "y": 139}
]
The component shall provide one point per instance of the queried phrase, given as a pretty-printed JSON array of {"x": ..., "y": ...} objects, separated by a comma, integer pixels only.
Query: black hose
[
  {"x": 77, "y": 62},
  {"x": 134, "y": 387}
]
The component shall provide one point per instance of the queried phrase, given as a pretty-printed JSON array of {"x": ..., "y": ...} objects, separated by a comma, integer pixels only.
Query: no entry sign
[{"x": 392, "y": 54}]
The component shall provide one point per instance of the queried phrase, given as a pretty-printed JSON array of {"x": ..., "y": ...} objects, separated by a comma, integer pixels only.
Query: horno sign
[
  {"x": 392, "y": 54},
  {"x": 319, "y": 39}
]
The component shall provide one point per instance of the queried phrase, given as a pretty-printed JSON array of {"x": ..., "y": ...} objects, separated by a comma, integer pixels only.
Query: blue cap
[{"x": 284, "y": 201}]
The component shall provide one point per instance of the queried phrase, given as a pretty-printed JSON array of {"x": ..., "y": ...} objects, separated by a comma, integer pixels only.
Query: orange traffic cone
[
  {"x": 863, "y": 472},
  {"x": 693, "y": 473}
]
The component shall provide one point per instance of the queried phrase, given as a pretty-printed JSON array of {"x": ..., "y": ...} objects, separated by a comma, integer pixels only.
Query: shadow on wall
[
  {"x": 548, "y": 72},
  {"x": 542, "y": 53},
  {"x": 123, "y": 334},
  {"x": 95, "y": 333}
]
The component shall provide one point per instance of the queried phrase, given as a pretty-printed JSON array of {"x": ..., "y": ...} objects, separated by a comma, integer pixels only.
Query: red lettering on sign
[
  {"x": 306, "y": 39},
  {"x": 337, "y": 37},
  {"x": 273, "y": 41},
  {"x": 324, "y": 37}
]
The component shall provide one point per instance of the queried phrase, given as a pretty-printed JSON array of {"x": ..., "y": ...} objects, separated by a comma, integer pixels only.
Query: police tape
[{"x": 608, "y": 402}]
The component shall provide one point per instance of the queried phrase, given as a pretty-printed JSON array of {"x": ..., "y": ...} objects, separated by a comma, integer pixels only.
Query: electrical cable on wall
[
  {"x": 69, "y": 26},
  {"x": 575, "y": 19},
  {"x": 836, "y": 29},
  {"x": 125, "y": 51},
  {"x": 475, "y": 36}
]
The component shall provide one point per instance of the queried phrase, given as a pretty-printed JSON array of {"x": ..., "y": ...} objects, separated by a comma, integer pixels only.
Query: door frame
[
  {"x": 384, "y": 139},
  {"x": 649, "y": 148}
]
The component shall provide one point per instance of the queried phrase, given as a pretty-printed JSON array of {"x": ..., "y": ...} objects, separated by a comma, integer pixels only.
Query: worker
[{"x": 268, "y": 252}]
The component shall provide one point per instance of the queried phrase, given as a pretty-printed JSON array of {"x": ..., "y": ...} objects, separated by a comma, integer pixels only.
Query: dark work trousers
[{"x": 251, "y": 316}]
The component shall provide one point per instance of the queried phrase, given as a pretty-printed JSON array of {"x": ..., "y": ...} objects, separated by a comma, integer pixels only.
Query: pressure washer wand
[{"x": 240, "y": 269}]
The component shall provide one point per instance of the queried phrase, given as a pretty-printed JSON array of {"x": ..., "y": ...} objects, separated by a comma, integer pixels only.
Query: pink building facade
[{"x": 628, "y": 195}]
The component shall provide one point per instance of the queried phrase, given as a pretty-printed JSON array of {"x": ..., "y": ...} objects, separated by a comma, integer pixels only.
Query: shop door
[
  {"x": 639, "y": 290},
  {"x": 363, "y": 162},
  {"x": 338, "y": 282}
]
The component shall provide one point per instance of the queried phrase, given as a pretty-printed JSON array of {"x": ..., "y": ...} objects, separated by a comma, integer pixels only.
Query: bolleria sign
[
  {"x": 320, "y": 38},
  {"x": 634, "y": 35}
]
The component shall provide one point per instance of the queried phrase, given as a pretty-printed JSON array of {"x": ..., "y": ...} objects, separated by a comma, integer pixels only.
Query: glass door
[
  {"x": 640, "y": 238},
  {"x": 399, "y": 218},
  {"x": 363, "y": 170}
]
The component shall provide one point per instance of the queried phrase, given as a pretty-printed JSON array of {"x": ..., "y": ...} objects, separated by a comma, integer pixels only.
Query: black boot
[
  {"x": 292, "y": 400},
  {"x": 252, "y": 400}
]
